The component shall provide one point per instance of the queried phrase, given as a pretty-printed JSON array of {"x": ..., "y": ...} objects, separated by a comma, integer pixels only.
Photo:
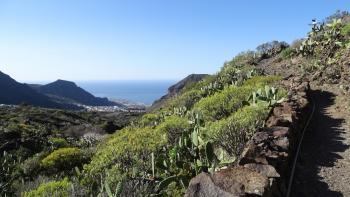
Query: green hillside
[{"x": 201, "y": 129}]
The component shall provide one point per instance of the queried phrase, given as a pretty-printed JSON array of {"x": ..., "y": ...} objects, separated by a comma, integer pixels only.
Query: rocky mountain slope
[
  {"x": 59, "y": 94},
  {"x": 67, "y": 91},
  {"x": 176, "y": 89},
  {"x": 13, "y": 92}
]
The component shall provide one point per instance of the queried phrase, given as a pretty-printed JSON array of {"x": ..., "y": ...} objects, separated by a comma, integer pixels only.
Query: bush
[
  {"x": 269, "y": 49},
  {"x": 287, "y": 53},
  {"x": 222, "y": 104},
  {"x": 58, "y": 142},
  {"x": 261, "y": 81},
  {"x": 244, "y": 59},
  {"x": 127, "y": 149},
  {"x": 346, "y": 30},
  {"x": 32, "y": 166},
  {"x": 187, "y": 99},
  {"x": 174, "y": 126},
  {"x": 54, "y": 188},
  {"x": 232, "y": 133},
  {"x": 337, "y": 15},
  {"x": 63, "y": 159},
  {"x": 150, "y": 120},
  {"x": 232, "y": 75}
]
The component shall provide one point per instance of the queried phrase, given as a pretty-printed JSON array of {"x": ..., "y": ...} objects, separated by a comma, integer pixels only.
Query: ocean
[{"x": 142, "y": 92}]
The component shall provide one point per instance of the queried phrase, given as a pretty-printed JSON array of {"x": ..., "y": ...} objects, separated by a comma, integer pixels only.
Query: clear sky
[{"x": 43, "y": 40}]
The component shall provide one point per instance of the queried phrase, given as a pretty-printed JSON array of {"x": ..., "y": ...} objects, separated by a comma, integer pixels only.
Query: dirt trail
[{"x": 323, "y": 168}]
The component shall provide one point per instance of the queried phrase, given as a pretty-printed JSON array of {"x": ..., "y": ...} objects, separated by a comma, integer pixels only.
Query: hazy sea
[{"x": 144, "y": 92}]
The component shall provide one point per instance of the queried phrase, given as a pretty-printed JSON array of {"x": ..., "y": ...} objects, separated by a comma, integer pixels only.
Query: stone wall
[{"x": 265, "y": 164}]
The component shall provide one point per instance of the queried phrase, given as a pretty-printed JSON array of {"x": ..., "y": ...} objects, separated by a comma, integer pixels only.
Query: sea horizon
[{"x": 136, "y": 91}]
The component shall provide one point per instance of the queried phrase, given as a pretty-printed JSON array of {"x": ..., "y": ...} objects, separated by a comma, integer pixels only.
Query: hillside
[
  {"x": 206, "y": 125},
  {"x": 200, "y": 132},
  {"x": 59, "y": 94},
  {"x": 28, "y": 134},
  {"x": 176, "y": 89},
  {"x": 16, "y": 93},
  {"x": 66, "y": 91}
]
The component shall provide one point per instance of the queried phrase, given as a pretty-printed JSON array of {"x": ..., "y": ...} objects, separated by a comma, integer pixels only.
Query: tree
[
  {"x": 272, "y": 48},
  {"x": 337, "y": 15}
]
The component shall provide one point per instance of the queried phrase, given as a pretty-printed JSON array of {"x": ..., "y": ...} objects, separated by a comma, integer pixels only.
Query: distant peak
[
  {"x": 64, "y": 82},
  {"x": 4, "y": 75},
  {"x": 1, "y": 73}
]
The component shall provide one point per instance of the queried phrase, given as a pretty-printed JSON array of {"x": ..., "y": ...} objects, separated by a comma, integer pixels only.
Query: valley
[{"x": 273, "y": 121}]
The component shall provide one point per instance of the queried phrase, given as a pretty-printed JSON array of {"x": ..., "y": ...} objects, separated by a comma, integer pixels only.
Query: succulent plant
[
  {"x": 190, "y": 156},
  {"x": 269, "y": 95}
]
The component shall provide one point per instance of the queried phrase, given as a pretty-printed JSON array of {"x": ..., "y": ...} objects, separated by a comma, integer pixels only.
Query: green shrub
[
  {"x": 345, "y": 31},
  {"x": 272, "y": 48},
  {"x": 244, "y": 59},
  {"x": 287, "y": 53},
  {"x": 261, "y": 81},
  {"x": 32, "y": 166},
  {"x": 150, "y": 120},
  {"x": 58, "y": 142},
  {"x": 173, "y": 190},
  {"x": 125, "y": 151},
  {"x": 63, "y": 159},
  {"x": 173, "y": 126},
  {"x": 197, "y": 86},
  {"x": 54, "y": 188},
  {"x": 347, "y": 45},
  {"x": 232, "y": 133},
  {"x": 187, "y": 99},
  {"x": 222, "y": 104}
]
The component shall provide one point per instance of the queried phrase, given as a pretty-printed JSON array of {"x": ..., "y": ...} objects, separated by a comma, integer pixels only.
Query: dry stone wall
[{"x": 265, "y": 164}]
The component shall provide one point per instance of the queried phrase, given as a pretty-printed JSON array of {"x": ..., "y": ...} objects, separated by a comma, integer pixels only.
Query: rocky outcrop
[
  {"x": 176, "y": 88},
  {"x": 265, "y": 163}
]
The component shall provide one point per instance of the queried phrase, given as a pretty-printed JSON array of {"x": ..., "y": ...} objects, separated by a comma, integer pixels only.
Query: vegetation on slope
[
  {"x": 202, "y": 128},
  {"x": 223, "y": 112},
  {"x": 161, "y": 152},
  {"x": 39, "y": 145}
]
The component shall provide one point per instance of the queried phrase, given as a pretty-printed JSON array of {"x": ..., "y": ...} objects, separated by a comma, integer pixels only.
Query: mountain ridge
[
  {"x": 63, "y": 90},
  {"x": 13, "y": 92},
  {"x": 60, "y": 94},
  {"x": 176, "y": 88}
]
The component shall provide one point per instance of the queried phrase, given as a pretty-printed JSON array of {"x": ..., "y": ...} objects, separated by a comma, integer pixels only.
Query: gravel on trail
[{"x": 323, "y": 168}]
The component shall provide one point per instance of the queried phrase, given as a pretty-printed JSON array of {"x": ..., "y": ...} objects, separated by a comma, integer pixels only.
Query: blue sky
[{"x": 43, "y": 40}]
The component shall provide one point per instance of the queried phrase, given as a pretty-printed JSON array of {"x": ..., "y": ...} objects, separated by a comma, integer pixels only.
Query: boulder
[
  {"x": 203, "y": 186},
  {"x": 252, "y": 181},
  {"x": 266, "y": 170},
  {"x": 278, "y": 131}
]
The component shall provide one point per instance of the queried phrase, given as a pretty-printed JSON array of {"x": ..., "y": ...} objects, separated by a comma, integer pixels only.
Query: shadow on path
[{"x": 320, "y": 148}]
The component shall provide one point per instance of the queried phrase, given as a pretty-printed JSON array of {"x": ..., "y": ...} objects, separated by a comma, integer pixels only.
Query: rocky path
[{"x": 323, "y": 168}]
